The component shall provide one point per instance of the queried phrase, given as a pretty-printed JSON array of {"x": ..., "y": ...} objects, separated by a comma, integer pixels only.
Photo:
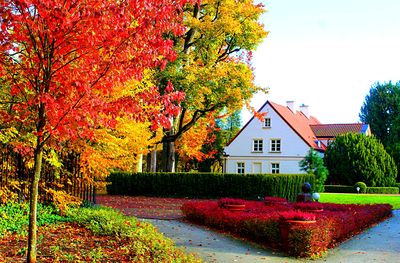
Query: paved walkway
[{"x": 380, "y": 243}]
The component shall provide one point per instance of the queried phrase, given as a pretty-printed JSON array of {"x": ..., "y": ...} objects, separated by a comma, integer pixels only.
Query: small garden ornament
[{"x": 305, "y": 195}]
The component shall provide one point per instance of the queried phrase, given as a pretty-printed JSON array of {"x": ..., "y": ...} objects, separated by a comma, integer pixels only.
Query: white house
[{"x": 280, "y": 140}]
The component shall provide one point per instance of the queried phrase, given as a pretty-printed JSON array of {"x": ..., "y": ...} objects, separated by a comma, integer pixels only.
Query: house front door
[{"x": 257, "y": 168}]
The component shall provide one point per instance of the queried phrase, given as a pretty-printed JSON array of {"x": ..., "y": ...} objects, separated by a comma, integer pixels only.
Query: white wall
[
  {"x": 293, "y": 148},
  {"x": 287, "y": 165}
]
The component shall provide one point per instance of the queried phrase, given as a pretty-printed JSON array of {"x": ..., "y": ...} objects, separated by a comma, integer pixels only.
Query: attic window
[{"x": 267, "y": 122}]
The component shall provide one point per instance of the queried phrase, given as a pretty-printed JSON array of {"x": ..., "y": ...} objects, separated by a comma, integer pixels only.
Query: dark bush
[
  {"x": 382, "y": 190},
  {"x": 352, "y": 189},
  {"x": 355, "y": 158},
  {"x": 207, "y": 185},
  {"x": 362, "y": 186}
]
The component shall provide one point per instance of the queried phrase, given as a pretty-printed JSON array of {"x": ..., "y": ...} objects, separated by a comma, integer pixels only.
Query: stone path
[{"x": 380, "y": 243}]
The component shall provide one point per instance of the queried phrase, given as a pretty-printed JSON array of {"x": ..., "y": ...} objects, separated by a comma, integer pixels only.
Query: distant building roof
[{"x": 333, "y": 130}]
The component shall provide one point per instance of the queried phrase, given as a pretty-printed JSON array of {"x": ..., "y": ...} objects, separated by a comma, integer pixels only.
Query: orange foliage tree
[
  {"x": 59, "y": 61},
  {"x": 190, "y": 147}
]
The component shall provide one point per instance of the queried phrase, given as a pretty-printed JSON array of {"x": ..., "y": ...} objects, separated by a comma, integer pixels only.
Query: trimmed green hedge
[
  {"x": 352, "y": 189},
  {"x": 382, "y": 190},
  {"x": 207, "y": 185}
]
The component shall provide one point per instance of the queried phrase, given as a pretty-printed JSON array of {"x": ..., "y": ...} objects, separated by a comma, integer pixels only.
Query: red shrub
[
  {"x": 261, "y": 223},
  {"x": 308, "y": 206},
  {"x": 230, "y": 201},
  {"x": 296, "y": 215},
  {"x": 273, "y": 199}
]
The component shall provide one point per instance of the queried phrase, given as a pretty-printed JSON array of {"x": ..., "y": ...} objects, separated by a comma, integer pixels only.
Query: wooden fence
[{"x": 15, "y": 170}]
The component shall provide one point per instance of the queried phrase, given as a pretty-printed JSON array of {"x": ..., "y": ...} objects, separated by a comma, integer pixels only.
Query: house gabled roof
[
  {"x": 299, "y": 123},
  {"x": 309, "y": 129},
  {"x": 333, "y": 130}
]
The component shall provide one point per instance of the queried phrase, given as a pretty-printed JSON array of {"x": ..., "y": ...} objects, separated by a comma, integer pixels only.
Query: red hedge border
[{"x": 260, "y": 223}]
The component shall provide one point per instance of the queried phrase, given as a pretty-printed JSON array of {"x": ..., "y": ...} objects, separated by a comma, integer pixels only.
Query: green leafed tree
[
  {"x": 355, "y": 158},
  {"x": 313, "y": 163},
  {"x": 381, "y": 110}
]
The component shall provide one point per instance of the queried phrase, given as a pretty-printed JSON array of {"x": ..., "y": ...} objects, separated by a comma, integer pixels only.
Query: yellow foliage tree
[{"x": 213, "y": 67}]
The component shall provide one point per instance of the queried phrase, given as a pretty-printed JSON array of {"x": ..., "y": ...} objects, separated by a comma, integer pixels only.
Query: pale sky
[{"x": 327, "y": 54}]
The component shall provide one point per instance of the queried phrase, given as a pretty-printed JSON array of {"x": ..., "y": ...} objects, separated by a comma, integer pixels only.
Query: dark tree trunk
[
  {"x": 153, "y": 161},
  {"x": 168, "y": 156},
  {"x": 32, "y": 234}
]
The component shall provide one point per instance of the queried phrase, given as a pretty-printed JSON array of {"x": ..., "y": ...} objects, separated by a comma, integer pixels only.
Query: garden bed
[{"x": 261, "y": 222}]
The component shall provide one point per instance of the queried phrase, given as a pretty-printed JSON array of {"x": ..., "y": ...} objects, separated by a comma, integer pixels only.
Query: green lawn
[{"x": 337, "y": 198}]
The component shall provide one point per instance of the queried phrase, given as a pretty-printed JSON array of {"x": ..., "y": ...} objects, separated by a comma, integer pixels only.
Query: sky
[{"x": 327, "y": 54}]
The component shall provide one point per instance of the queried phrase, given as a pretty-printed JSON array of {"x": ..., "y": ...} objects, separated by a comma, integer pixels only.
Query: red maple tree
[{"x": 60, "y": 59}]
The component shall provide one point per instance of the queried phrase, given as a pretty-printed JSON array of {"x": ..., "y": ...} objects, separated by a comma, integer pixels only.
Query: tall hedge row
[{"x": 207, "y": 185}]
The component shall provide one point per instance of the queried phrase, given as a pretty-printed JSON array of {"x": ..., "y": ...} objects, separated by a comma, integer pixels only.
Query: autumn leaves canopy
[
  {"x": 84, "y": 75},
  {"x": 70, "y": 68}
]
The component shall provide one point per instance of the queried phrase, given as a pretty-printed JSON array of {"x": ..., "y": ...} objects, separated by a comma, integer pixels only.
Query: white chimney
[
  {"x": 304, "y": 110},
  {"x": 290, "y": 105}
]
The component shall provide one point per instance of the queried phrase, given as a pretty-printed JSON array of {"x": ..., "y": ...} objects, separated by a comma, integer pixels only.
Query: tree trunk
[
  {"x": 153, "y": 161},
  {"x": 168, "y": 156},
  {"x": 34, "y": 192},
  {"x": 139, "y": 163}
]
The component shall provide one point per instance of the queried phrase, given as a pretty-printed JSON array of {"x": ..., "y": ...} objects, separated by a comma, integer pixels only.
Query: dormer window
[{"x": 267, "y": 123}]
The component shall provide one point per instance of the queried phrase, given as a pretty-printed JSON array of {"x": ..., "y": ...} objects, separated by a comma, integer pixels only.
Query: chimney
[
  {"x": 304, "y": 110},
  {"x": 290, "y": 105}
]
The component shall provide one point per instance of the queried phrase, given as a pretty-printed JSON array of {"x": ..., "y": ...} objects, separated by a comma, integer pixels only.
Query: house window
[
  {"x": 275, "y": 168},
  {"x": 240, "y": 168},
  {"x": 275, "y": 145},
  {"x": 267, "y": 122},
  {"x": 257, "y": 145}
]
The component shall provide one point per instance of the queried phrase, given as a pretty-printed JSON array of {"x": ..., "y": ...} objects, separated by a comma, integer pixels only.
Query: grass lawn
[{"x": 342, "y": 198}]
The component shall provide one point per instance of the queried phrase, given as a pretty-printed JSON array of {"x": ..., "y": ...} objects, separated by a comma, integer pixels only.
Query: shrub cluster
[
  {"x": 260, "y": 223},
  {"x": 352, "y": 189},
  {"x": 146, "y": 244},
  {"x": 14, "y": 217},
  {"x": 382, "y": 190},
  {"x": 307, "y": 206},
  {"x": 362, "y": 187},
  {"x": 354, "y": 157},
  {"x": 275, "y": 200},
  {"x": 207, "y": 185},
  {"x": 230, "y": 201}
]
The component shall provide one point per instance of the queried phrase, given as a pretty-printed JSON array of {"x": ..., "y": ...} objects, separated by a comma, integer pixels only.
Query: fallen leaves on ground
[
  {"x": 65, "y": 242},
  {"x": 145, "y": 207}
]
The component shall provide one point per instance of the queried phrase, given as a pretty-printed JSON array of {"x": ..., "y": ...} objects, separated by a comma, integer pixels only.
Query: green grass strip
[{"x": 342, "y": 198}]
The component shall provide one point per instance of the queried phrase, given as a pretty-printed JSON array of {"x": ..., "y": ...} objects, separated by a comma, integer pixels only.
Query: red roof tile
[
  {"x": 333, "y": 130},
  {"x": 310, "y": 129},
  {"x": 299, "y": 123}
]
